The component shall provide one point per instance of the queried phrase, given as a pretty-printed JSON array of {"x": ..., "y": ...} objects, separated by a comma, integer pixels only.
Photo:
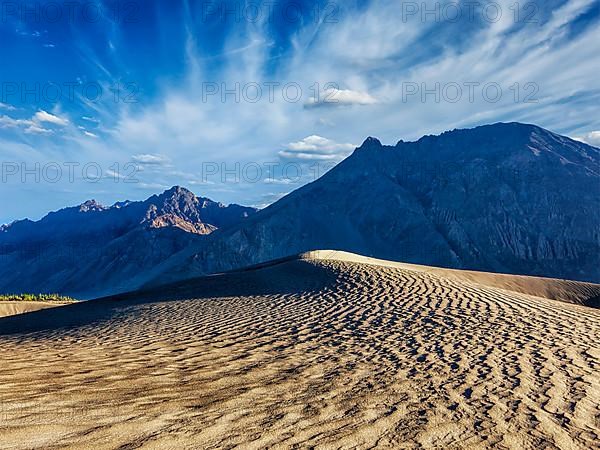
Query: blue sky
[{"x": 246, "y": 101}]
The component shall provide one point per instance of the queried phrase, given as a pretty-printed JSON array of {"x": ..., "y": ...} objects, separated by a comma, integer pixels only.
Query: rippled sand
[
  {"x": 323, "y": 351},
  {"x": 12, "y": 308}
]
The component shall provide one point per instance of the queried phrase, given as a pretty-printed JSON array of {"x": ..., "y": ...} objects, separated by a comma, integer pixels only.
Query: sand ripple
[{"x": 306, "y": 353}]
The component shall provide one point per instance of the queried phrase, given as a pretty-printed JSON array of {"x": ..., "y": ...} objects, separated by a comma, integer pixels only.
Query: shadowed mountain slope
[
  {"x": 90, "y": 250},
  {"x": 506, "y": 198}
]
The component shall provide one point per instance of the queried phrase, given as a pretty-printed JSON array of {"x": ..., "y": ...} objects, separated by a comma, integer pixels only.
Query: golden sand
[{"x": 324, "y": 351}]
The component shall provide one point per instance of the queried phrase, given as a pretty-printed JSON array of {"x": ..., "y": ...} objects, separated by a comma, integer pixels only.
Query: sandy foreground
[
  {"x": 13, "y": 308},
  {"x": 327, "y": 350}
]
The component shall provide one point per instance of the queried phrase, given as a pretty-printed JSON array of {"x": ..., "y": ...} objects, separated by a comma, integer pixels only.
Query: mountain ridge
[
  {"x": 436, "y": 187},
  {"x": 90, "y": 249},
  {"x": 176, "y": 201},
  {"x": 507, "y": 198}
]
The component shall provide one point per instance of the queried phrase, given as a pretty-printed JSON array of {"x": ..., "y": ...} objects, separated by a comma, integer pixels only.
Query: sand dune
[
  {"x": 13, "y": 308},
  {"x": 327, "y": 350},
  {"x": 587, "y": 294}
]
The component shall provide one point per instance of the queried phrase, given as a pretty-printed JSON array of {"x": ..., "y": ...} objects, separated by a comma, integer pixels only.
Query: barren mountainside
[
  {"x": 508, "y": 197},
  {"x": 91, "y": 249}
]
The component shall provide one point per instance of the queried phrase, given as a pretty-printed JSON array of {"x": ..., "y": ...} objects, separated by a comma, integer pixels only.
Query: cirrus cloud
[
  {"x": 592, "y": 138},
  {"x": 316, "y": 148},
  {"x": 340, "y": 97},
  {"x": 150, "y": 159},
  {"x": 44, "y": 116}
]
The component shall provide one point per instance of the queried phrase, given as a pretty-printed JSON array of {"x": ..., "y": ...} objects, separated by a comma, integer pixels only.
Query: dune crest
[
  {"x": 568, "y": 291},
  {"x": 325, "y": 350}
]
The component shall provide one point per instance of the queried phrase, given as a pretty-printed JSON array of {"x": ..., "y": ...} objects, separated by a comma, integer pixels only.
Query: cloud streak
[
  {"x": 316, "y": 148},
  {"x": 592, "y": 138},
  {"x": 353, "y": 74},
  {"x": 43, "y": 116},
  {"x": 333, "y": 97}
]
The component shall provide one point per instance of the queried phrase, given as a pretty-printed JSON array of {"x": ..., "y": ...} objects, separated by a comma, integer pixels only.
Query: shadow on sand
[{"x": 285, "y": 276}]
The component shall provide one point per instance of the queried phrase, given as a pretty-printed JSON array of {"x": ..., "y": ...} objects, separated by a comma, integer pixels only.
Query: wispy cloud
[
  {"x": 150, "y": 159},
  {"x": 37, "y": 129},
  {"x": 340, "y": 97},
  {"x": 43, "y": 116},
  {"x": 316, "y": 148},
  {"x": 592, "y": 138},
  {"x": 353, "y": 74},
  {"x": 35, "y": 124},
  {"x": 7, "y": 107}
]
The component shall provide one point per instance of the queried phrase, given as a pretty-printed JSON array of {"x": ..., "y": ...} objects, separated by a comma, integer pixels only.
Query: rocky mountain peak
[
  {"x": 178, "y": 191},
  {"x": 181, "y": 208},
  {"x": 371, "y": 142},
  {"x": 123, "y": 204},
  {"x": 91, "y": 205},
  {"x": 176, "y": 198},
  {"x": 507, "y": 197}
]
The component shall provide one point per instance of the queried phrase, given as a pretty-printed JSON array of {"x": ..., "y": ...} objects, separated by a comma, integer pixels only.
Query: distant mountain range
[
  {"x": 91, "y": 249},
  {"x": 507, "y": 197}
]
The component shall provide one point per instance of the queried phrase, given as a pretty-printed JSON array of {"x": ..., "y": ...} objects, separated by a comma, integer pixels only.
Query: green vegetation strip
[{"x": 36, "y": 298}]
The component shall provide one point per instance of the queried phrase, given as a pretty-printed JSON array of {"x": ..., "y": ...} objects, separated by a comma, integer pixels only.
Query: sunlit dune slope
[
  {"x": 12, "y": 308},
  {"x": 564, "y": 290},
  {"x": 323, "y": 350}
]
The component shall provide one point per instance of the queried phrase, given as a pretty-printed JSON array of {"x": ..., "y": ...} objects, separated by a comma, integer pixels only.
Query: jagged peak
[
  {"x": 177, "y": 190},
  {"x": 371, "y": 142},
  {"x": 91, "y": 205},
  {"x": 173, "y": 196},
  {"x": 177, "y": 193},
  {"x": 122, "y": 204}
]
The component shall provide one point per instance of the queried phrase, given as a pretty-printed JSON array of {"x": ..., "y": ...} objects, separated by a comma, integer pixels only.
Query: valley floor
[{"x": 309, "y": 352}]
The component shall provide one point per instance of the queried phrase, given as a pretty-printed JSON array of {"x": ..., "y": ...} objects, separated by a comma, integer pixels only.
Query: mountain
[
  {"x": 93, "y": 249},
  {"x": 176, "y": 207},
  {"x": 507, "y": 197}
]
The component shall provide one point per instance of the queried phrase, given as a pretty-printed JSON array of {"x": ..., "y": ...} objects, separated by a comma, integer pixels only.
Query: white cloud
[
  {"x": 36, "y": 129},
  {"x": 152, "y": 186},
  {"x": 43, "y": 116},
  {"x": 7, "y": 107},
  {"x": 592, "y": 138},
  {"x": 34, "y": 125},
  {"x": 9, "y": 122},
  {"x": 316, "y": 148},
  {"x": 341, "y": 97},
  {"x": 150, "y": 159},
  {"x": 90, "y": 134}
]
